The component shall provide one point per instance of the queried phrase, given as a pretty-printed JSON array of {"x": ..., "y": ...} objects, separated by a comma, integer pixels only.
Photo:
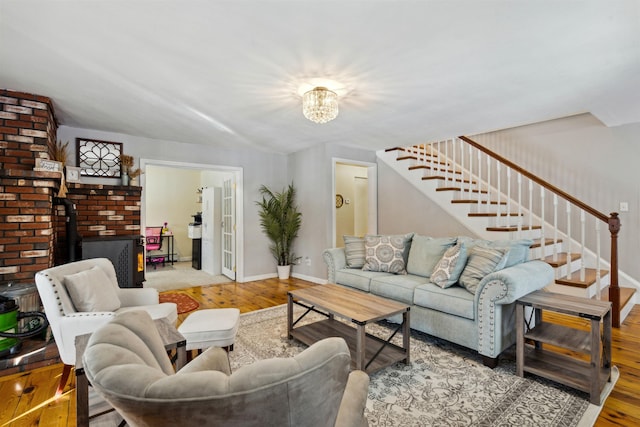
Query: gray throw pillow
[
  {"x": 450, "y": 266},
  {"x": 92, "y": 290},
  {"x": 426, "y": 252},
  {"x": 386, "y": 253},
  {"x": 354, "y": 251},
  {"x": 482, "y": 261}
]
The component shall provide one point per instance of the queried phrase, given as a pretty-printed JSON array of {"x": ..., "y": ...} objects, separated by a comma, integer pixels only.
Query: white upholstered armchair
[{"x": 81, "y": 296}]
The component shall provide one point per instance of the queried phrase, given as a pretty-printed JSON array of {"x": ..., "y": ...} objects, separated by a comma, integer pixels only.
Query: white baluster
[
  {"x": 447, "y": 177},
  {"x": 582, "y": 243},
  {"x": 453, "y": 157},
  {"x": 569, "y": 241},
  {"x": 499, "y": 194},
  {"x": 508, "y": 196},
  {"x": 519, "y": 205},
  {"x": 470, "y": 171},
  {"x": 531, "y": 204},
  {"x": 555, "y": 227},
  {"x": 598, "y": 278},
  {"x": 542, "y": 241},
  {"x": 488, "y": 183},
  {"x": 461, "y": 143}
]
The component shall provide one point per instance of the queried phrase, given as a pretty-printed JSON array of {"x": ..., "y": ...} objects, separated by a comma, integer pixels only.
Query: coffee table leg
[
  {"x": 289, "y": 315},
  {"x": 82, "y": 399},
  {"x": 360, "y": 346},
  {"x": 406, "y": 335}
]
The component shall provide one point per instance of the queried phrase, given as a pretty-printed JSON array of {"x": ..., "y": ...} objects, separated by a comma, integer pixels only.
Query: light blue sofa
[{"x": 483, "y": 321}]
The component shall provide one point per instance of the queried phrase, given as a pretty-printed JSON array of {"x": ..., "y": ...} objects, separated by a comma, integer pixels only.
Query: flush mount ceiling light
[{"x": 320, "y": 105}]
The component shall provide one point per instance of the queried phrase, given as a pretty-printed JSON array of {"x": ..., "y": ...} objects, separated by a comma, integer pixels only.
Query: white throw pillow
[{"x": 91, "y": 290}]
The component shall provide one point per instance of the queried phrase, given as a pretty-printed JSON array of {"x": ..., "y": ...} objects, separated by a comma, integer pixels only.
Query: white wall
[
  {"x": 311, "y": 170},
  {"x": 258, "y": 168},
  {"x": 592, "y": 162},
  {"x": 170, "y": 196}
]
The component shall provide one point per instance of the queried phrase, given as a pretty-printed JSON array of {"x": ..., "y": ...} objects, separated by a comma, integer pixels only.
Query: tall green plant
[{"x": 280, "y": 221}]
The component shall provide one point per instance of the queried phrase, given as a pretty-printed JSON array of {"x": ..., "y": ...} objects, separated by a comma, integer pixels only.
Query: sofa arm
[
  {"x": 335, "y": 259},
  {"x": 495, "y": 303},
  {"x": 354, "y": 400},
  {"x": 507, "y": 285}
]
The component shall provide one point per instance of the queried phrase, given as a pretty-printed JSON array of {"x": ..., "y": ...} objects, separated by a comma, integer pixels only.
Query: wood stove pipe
[{"x": 73, "y": 238}]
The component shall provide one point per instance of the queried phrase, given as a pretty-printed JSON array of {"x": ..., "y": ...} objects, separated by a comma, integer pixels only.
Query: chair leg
[{"x": 66, "y": 371}]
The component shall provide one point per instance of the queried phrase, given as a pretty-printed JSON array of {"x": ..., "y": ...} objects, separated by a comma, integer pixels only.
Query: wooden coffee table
[{"x": 368, "y": 352}]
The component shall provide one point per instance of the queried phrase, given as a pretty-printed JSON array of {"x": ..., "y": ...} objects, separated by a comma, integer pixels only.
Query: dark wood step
[
  {"x": 537, "y": 242},
  {"x": 625, "y": 295},
  {"x": 435, "y": 168},
  {"x": 491, "y": 214},
  {"x": 460, "y": 189},
  {"x": 514, "y": 228},
  {"x": 465, "y": 181},
  {"x": 426, "y": 166},
  {"x": 482, "y": 202},
  {"x": 386, "y": 150},
  {"x": 589, "y": 278},
  {"x": 407, "y": 157},
  {"x": 562, "y": 259}
]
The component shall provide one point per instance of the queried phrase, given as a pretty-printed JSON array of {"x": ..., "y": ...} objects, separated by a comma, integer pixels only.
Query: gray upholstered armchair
[{"x": 127, "y": 364}]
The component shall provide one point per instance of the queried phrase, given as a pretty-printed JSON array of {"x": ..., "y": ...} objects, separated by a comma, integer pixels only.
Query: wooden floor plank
[{"x": 622, "y": 408}]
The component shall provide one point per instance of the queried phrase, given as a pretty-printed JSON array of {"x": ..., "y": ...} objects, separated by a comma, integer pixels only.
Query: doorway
[
  {"x": 176, "y": 191},
  {"x": 355, "y": 193}
]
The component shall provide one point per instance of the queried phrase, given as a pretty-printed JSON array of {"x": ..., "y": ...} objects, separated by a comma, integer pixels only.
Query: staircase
[{"x": 500, "y": 200}]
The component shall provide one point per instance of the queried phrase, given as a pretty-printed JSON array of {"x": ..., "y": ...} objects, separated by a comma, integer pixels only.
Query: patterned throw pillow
[
  {"x": 354, "y": 251},
  {"x": 386, "y": 253},
  {"x": 482, "y": 261},
  {"x": 448, "y": 269}
]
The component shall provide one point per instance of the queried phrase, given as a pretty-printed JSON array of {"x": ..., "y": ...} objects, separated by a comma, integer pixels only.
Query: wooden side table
[
  {"x": 574, "y": 372},
  {"x": 172, "y": 340}
]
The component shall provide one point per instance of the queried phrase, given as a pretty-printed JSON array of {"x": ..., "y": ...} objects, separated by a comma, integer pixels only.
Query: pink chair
[{"x": 153, "y": 239}]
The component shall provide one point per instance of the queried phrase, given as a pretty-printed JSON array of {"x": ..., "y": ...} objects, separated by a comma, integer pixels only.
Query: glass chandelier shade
[{"x": 320, "y": 105}]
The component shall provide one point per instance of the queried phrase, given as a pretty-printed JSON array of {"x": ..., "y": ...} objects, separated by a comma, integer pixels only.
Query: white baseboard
[{"x": 309, "y": 278}]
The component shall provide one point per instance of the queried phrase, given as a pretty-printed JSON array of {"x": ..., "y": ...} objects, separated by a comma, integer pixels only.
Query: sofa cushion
[
  {"x": 398, "y": 288},
  {"x": 450, "y": 266},
  {"x": 482, "y": 261},
  {"x": 386, "y": 253},
  {"x": 92, "y": 290},
  {"x": 518, "y": 249},
  {"x": 454, "y": 300},
  {"x": 358, "y": 279},
  {"x": 354, "y": 251},
  {"x": 426, "y": 252}
]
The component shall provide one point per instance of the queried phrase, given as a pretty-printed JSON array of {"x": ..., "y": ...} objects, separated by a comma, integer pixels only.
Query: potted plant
[{"x": 280, "y": 221}]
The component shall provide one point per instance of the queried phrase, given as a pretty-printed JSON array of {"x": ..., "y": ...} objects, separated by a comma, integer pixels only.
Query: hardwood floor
[{"x": 28, "y": 397}]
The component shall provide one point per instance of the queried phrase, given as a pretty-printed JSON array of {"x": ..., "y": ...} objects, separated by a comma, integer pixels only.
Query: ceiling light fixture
[{"x": 320, "y": 105}]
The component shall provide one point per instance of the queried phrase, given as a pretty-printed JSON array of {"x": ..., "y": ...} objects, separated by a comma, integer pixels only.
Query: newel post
[{"x": 614, "y": 289}]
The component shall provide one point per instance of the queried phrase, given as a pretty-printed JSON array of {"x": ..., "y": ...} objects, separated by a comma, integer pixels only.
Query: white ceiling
[{"x": 227, "y": 73}]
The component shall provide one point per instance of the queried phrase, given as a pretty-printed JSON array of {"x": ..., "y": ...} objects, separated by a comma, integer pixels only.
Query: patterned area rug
[
  {"x": 184, "y": 302},
  {"x": 445, "y": 384}
]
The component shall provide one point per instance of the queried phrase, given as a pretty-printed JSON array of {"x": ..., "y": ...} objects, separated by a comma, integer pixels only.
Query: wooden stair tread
[
  {"x": 460, "y": 189},
  {"x": 537, "y": 242},
  {"x": 482, "y": 202},
  {"x": 407, "y": 158},
  {"x": 589, "y": 278},
  {"x": 625, "y": 295},
  {"x": 561, "y": 260},
  {"x": 514, "y": 228},
  {"x": 386, "y": 150},
  {"x": 465, "y": 180},
  {"x": 491, "y": 214}
]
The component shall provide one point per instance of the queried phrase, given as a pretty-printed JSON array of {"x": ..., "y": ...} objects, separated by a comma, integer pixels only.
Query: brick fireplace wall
[
  {"x": 32, "y": 221},
  {"x": 27, "y": 124}
]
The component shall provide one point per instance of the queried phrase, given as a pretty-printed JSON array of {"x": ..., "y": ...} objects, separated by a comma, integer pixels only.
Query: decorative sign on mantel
[
  {"x": 100, "y": 159},
  {"x": 46, "y": 165}
]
